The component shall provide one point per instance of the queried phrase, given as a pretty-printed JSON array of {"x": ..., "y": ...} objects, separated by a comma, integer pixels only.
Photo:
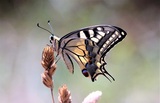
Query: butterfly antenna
[
  {"x": 52, "y": 30},
  {"x": 50, "y": 26},
  {"x": 44, "y": 28}
]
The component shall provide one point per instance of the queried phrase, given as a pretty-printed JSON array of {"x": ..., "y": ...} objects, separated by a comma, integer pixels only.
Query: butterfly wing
[
  {"x": 75, "y": 48},
  {"x": 89, "y": 46}
]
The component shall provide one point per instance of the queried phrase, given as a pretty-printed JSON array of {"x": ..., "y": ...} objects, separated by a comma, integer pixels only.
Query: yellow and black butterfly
[{"x": 88, "y": 47}]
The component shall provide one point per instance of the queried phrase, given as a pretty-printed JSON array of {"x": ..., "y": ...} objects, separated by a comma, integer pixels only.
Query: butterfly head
[{"x": 54, "y": 40}]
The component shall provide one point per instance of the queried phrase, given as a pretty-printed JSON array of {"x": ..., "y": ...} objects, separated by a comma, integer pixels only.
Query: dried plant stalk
[
  {"x": 49, "y": 66},
  {"x": 64, "y": 95}
]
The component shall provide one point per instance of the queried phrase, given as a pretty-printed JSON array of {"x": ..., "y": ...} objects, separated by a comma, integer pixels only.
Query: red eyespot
[{"x": 85, "y": 72}]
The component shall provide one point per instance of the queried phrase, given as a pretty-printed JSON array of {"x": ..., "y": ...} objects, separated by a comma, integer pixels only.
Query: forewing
[{"x": 104, "y": 36}]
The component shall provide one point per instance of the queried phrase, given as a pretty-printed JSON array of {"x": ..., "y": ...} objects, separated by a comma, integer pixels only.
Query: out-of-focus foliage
[{"x": 134, "y": 62}]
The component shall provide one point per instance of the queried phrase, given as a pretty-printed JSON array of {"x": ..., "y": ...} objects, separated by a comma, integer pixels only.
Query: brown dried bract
[
  {"x": 49, "y": 65},
  {"x": 47, "y": 80},
  {"x": 47, "y": 57},
  {"x": 64, "y": 95}
]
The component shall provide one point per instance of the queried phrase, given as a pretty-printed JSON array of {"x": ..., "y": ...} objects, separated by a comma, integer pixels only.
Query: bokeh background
[{"x": 134, "y": 62}]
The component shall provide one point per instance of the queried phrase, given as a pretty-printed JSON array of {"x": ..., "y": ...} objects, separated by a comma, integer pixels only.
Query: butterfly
[{"x": 88, "y": 47}]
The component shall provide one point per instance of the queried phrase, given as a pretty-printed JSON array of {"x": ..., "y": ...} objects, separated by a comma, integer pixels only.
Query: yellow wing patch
[{"x": 76, "y": 48}]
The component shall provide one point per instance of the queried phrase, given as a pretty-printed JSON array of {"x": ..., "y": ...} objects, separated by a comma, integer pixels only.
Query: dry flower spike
[
  {"x": 49, "y": 65},
  {"x": 48, "y": 59},
  {"x": 64, "y": 95}
]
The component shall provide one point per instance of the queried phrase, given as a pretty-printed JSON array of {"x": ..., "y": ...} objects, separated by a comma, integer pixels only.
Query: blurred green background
[{"x": 134, "y": 62}]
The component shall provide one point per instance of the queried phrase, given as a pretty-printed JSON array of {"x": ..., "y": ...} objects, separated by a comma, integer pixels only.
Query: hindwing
[{"x": 74, "y": 48}]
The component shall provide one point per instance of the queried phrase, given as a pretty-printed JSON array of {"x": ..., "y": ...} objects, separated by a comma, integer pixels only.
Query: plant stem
[{"x": 52, "y": 95}]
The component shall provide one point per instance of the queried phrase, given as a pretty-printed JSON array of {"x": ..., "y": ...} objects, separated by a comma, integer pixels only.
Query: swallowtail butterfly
[{"x": 88, "y": 47}]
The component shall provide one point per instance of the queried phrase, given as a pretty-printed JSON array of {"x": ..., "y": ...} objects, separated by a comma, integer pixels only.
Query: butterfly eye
[
  {"x": 51, "y": 38},
  {"x": 85, "y": 72}
]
